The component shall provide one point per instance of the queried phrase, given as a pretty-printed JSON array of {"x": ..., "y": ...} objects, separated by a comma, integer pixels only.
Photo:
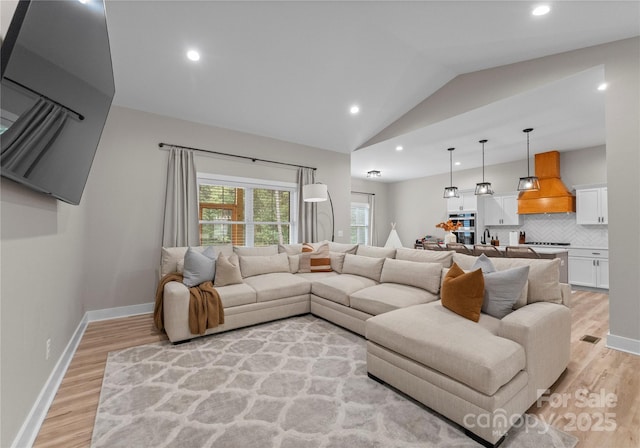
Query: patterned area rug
[{"x": 294, "y": 383}]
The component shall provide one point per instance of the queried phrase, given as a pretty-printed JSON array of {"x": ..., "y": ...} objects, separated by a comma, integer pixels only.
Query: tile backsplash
[{"x": 557, "y": 228}]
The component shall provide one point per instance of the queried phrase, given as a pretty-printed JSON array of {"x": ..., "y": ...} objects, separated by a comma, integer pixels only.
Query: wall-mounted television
[{"x": 55, "y": 93}]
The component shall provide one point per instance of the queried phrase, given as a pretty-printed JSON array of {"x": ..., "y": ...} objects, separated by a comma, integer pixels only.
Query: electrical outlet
[
  {"x": 48, "y": 350},
  {"x": 340, "y": 233}
]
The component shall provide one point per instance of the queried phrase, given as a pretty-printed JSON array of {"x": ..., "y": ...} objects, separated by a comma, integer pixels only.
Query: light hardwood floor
[{"x": 593, "y": 368}]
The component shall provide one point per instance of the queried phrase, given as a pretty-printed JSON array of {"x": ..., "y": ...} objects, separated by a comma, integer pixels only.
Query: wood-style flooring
[{"x": 593, "y": 369}]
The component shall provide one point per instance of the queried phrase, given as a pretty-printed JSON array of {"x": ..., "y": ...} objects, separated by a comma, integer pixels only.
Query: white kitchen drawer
[{"x": 589, "y": 253}]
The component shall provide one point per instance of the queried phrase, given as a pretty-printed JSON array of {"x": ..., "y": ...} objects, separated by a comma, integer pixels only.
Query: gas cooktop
[{"x": 545, "y": 243}]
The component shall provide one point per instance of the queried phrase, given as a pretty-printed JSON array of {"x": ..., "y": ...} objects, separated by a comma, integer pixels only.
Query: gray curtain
[
  {"x": 307, "y": 211},
  {"x": 181, "y": 201},
  {"x": 373, "y": 234},
  {"x": 29, "y": 138}
]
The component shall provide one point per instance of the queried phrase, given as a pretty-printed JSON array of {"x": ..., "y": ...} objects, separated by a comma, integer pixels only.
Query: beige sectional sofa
[{"x": 482, "y": 375}]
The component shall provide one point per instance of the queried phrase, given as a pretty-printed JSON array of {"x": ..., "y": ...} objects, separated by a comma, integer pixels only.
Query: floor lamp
[{"x": 319, "y": 193}]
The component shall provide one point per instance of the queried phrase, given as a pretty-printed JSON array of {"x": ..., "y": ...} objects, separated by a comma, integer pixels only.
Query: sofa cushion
[
  {"x": 198, "y": 267},
  {"x": 363, "y": 266},
  {"x": 376, "y": 252},
  {"x": 263, "y": 264},
  {"x": 338, "y": 288},
  {"x": 252, "y": 251},
  {"x": 387, "y": 297},
  {"x": 543, "y": 279},
  {"x": 315, "y": 258},
  {"x": 236, "y": 295},
  {"x": 290, "y": 249},
  {"x": 463, "y": 293},
  {"x": 421, "y": 275},
  {"x": 171, "y": 255},
  {"x": 343, "y": 248},
  {"x": 227, "y": 271},
  {"x": 278, "y": 285},
  {"x": 444, "y": 257},
  {"x": 441, "y": 340},
  {"x": 337, "y": 261}
]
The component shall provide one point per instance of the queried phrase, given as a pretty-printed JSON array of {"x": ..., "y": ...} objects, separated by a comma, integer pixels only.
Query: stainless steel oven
[{"x": 467, "y": 233}]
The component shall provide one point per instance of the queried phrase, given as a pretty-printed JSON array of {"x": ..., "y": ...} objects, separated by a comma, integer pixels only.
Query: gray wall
[
  {"x": 125, "y": 195},
  {"x": 621, "y": 61},
  {"x": 59, "y": 261}
]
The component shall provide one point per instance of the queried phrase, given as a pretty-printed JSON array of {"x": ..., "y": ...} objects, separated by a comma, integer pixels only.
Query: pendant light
[
  {"x": 529, "y": 183},
  {"x": 483, "y": 187},
  {"x": 451, "y": 191}
]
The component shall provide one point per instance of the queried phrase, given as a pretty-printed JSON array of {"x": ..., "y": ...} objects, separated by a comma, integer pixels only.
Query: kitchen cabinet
[
  {"x": 501, "y": 211},
  {"x": 591, "y": 206},
  {"x": 589, "y": 267},
  {"x": 466, "y": 201}
]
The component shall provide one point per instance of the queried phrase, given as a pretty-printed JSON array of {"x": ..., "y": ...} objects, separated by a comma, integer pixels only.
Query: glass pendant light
[
  {"x": 451, "y": 191},
  {"x": 483, "y": 187},
  {"x": 529, "y": 183}
]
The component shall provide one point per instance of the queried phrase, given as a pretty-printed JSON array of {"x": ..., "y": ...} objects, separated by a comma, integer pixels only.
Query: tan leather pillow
[
  {"x": 315, "y": 259},
  {"x": 463, "y": 293}
]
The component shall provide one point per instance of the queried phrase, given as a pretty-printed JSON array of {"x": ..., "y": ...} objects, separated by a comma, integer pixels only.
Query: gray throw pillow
[
  {"x": 502, "y": 290},
  {"x": 483, "y": 262},
  {"x": 199, "y": 267}
]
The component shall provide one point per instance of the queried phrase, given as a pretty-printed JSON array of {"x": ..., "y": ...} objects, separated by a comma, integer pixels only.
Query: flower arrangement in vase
[{"x": 449, "y": 226}]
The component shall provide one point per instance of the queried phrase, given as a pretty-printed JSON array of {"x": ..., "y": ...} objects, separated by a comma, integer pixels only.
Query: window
[
  {"x": 245, "y": 212},
  {"x": 359, "y": 223}
]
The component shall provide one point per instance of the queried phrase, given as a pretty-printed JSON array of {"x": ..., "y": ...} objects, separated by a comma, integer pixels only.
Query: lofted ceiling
[{"x": 291, "y": 71}]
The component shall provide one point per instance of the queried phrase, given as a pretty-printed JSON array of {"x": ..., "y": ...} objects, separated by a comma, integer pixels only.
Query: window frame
[
  {"x": 249, "y": 184},
  {"x": 367, "y": 227}
]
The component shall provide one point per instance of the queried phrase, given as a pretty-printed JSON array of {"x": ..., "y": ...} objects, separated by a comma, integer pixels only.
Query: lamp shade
[{"x": 314, "y": 193}]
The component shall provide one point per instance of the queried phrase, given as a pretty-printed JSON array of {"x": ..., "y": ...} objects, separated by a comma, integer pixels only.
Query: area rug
[{"x": 295, "y": 383}]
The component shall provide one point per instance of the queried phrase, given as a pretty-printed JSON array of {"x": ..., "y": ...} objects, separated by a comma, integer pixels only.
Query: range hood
[{"x": 553, "y": 196}]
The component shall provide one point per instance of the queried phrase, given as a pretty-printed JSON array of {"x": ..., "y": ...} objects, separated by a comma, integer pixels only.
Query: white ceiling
[{"x": 291, "y": 70}]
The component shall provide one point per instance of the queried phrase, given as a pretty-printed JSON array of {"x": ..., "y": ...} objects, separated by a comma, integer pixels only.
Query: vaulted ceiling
[{"x": 292, "y": 70}]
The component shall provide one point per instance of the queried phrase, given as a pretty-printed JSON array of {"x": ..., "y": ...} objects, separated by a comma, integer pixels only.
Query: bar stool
[
  {"x": 460, "y": 248},
  {"x": 487, "y": 249},
  {"x": 521, "y": 252}
]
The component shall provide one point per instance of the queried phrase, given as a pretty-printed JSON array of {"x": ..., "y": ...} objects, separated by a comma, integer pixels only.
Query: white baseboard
[
  {"x": 623, "y": 344},
  {"x": 31, "y": 426},
  {"x": 121, "y": 311}
]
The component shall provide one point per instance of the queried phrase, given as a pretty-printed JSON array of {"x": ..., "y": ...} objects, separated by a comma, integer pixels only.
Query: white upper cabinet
[
  {"x": 591, "y": 205},
  {"x": 466, "y": 201},
  {"x": 501, "y": 211}
]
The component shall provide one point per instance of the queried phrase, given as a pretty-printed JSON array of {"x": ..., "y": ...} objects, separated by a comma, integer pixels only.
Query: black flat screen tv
[{"x": 56, "y": 91}]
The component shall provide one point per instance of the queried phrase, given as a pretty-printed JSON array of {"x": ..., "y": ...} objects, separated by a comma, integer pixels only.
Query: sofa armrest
[
  {"x": 176, "y": 311},
  {"x": 544, "y": 331},
  {"x": 565, "y": 290}
]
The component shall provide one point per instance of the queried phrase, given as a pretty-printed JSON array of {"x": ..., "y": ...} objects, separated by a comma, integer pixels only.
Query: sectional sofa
[{"x": 483, "y": 375}]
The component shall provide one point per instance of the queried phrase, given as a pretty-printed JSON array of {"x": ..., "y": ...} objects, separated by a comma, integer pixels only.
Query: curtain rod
[
  {"x": 253, "y": 159},
  {"x": 362, "y": 192}
]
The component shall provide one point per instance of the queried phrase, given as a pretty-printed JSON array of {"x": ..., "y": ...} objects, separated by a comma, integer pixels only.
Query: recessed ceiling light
[
  {"x": 399, "y": 148},
  {"x": 354, "y": 109},
  {"x": 457, "y": 164},
  {"x": 193, "y": 55},
  {"x": 602, "y": 86},
  {"x": 84, "y": 2},
  {"x": 541, "y": 10}
]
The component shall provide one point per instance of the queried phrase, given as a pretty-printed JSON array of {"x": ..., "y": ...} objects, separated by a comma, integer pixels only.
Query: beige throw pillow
[
  {"x": 263, "y": 264},
  {"x": 227, "y": 271},
  {"x": 363, "y": 266},
  {"x": 315, "y": 259}
]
